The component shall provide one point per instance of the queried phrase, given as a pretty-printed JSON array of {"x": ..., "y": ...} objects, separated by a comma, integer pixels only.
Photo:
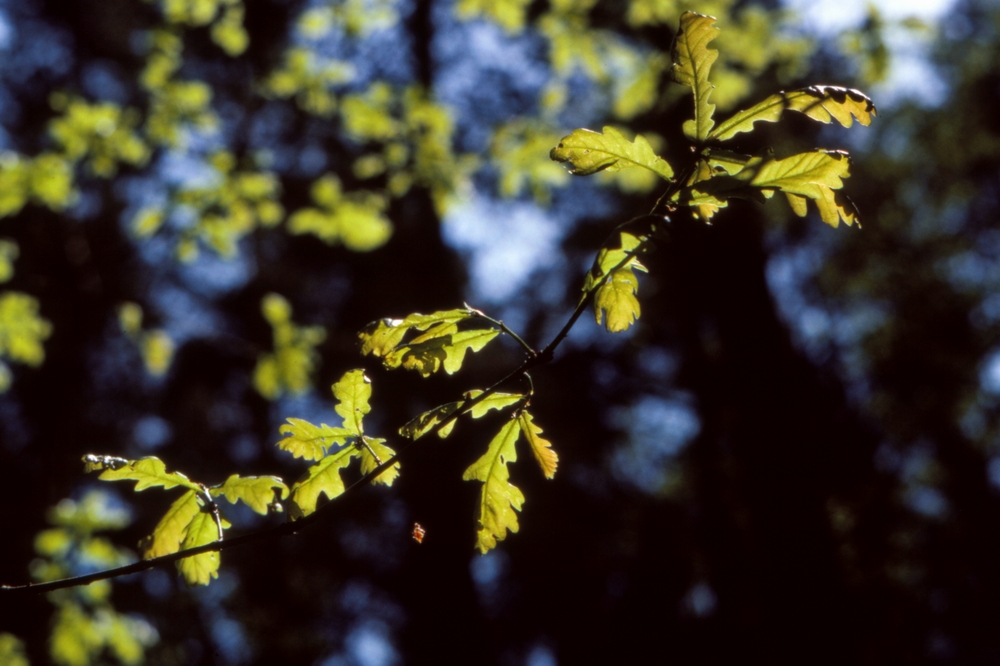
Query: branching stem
[{"x": 533, "y": 360}]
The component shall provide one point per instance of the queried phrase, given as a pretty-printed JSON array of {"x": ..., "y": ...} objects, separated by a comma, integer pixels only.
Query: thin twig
[
  {"x": 533, "y": 360},
  {"x": 502, "y": 326}
]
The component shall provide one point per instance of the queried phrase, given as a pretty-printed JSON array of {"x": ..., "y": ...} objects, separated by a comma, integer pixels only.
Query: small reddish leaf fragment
[{"x": 418, "y": 533}]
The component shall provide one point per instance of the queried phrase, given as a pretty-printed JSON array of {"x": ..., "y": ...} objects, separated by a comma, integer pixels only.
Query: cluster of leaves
[
  {"x": 430, "y": 343},
  {"x": 193, "y": 519},
  {"x": 713, "y": 175}
]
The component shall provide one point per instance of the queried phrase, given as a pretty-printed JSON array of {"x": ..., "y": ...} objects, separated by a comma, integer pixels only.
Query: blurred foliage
[
  {"x": 22, "y": 332},
  {"x": 155, "y": 346},
  {"x": 86, "y": 625},
  {"x": 289, "y": 367}
]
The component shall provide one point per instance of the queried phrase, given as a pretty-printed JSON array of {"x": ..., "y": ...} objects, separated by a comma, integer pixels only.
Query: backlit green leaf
[
  {"x": 441, "y": 345},
  {"x": 822, "y": 103},
  {"x": 311, "y": 442},
  {"x": 257, "y": 492},
  {"x": 616, "y": 300},
  {"x": 588, "y": 152},
  {"x": 170, "y": 531},
  {"x": 353, "y": 392},
  {"x": 200, "y": 569},
  {"x": 373, "y": 455},
  {"x": 541, "y": 448},
  {"x": 424, "y": 423},
  {"x": 692, "y": 64},
  {"x": 147, "y": 472},
  {"x": 323, "y": 478},
  {"x": 499, "y": 499},
  {"x": 814, "y": 175}
]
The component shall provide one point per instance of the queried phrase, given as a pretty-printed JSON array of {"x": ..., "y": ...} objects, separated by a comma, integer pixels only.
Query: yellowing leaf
[
  {"x": 499, "y": 499},
  {"x": 146, "y": 472},
  {"x": 373, "y": 455},
  {"x": 816, "y": 175},
  {"x": 616, "y": 300},
  {"x": 822, "y": 103},
  {"x": 692, "y": 64},
  {"x": 353, "y": 391},
  {"x": 311, "y": 442},
  {"x": 541, "y": 448},
  {"x": 257, "y": 492},
  {"x": 200, "y": 569},
  {"x": 589, "y": 152},
  {"x": 323, "y": 478}
]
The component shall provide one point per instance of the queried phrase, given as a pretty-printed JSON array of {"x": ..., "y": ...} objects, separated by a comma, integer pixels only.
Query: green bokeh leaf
[{"x": 692, "y": 64}]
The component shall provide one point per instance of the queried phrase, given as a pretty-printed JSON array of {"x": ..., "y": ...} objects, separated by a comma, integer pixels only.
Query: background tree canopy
[{"x": 792, "y": 456}]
